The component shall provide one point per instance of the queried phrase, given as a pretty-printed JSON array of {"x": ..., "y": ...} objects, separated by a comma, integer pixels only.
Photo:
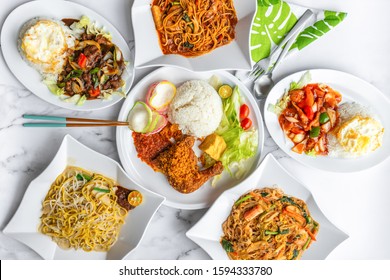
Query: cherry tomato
[
  {"x": 246, "y": 123},
  {"x": 244, "y": 111}
]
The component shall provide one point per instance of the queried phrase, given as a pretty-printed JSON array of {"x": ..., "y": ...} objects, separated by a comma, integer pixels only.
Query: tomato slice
[
  {"x": 244, "y": 111},
  {"x": 134, "y": 198},
  {"x": 309, "y": 112}
]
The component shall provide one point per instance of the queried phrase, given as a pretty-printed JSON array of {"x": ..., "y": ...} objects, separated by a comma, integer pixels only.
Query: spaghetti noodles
[
  {"x": 265, "y": 224},
  {"x": 81, "y": 210},
  {"x": 193, "y": 27}
]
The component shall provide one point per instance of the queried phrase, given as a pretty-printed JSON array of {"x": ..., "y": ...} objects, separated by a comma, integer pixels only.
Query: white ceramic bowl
[
  {"x": 208, "y": 231},
  {"x": 24, "y": 224},
  {"x": 234, "y": 56}
]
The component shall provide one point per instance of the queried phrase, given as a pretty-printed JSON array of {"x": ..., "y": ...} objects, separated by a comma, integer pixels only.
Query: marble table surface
[{"x": 360, "y": 46}]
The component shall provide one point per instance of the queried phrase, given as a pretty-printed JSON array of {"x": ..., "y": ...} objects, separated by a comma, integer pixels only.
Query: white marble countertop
[{"x": 360, "y": 46}]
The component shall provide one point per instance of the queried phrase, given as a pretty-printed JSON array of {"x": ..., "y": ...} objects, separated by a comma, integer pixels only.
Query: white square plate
[
  {"x": 208, "y": 231},
  {"x": 24, "y": 224},
  {"x": 235, "y": 55}
]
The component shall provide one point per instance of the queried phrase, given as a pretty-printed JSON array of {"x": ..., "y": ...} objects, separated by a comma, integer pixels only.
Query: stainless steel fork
[{"x": 263, "y": 65}]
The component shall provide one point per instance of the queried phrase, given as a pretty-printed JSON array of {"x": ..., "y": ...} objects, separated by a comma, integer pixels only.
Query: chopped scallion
[
  {"x": 242, "y": 199},
  {"x": 101, "y": 190}
]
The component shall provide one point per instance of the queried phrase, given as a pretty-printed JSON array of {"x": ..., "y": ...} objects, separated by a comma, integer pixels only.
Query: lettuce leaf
[
  {"x": 303, "y": 81},
  {"x": 282, "y": 102},
  {"x": 52, "y": 86},
  {"x": 240, "y": 144}
]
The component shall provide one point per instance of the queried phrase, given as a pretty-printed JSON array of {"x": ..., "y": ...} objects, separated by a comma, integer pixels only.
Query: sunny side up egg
[
  {"x": 360, "y": 135},
  {"x": 357, "y": 134},
  {"x": 44, "y": 43}
]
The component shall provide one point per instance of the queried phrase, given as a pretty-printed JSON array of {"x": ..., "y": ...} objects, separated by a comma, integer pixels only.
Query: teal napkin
[{"x": 275, "y": 18}]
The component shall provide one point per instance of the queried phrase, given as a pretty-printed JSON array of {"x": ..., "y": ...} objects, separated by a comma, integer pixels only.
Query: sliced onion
[
  {"x": 291, "y": 119},
  {"x": 160, "y": 95},
  {"x": 118, "y": 54},
  {"x": 85, "y": 43}
]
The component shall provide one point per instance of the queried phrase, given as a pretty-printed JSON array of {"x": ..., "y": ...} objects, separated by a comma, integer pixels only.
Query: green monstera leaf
[
  {"x": 272, "y": 22},
  {"x": 267, "y": 2},
  {"x": 312, "y": 33}
]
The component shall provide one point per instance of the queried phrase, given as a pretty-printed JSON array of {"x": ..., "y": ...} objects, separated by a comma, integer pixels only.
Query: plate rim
[
  {"x": 83, "y": 9},
  {"x": 67, "y": 139},
  {"x": 261, "y": 130},
  {"x": 297, "y": 157},
  {"x": 268, "y": 159}
]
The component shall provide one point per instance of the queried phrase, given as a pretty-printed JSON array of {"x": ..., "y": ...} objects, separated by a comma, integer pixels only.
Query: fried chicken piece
[
  {"x": 179, "y": 164},
  {"x": 148, "y": 147}
]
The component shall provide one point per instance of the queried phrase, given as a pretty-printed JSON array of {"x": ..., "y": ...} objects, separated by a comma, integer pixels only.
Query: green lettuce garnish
[
  {"x": 52, "y": 86},
  {"x": 283, "y": 101},
  {"x": 303, "y": 81},
  {"x": 240, "y": 144}
]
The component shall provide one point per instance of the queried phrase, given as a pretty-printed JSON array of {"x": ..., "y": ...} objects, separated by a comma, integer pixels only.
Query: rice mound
[{"x": 196, "y": 108}]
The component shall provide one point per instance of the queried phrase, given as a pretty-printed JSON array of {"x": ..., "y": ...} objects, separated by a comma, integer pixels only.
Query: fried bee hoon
[{"x": 266, "y": 224}]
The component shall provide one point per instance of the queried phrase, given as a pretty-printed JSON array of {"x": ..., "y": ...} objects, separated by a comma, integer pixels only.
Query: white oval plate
[
  {"x": 207, "y": 232},
  {"x": 31, "y": 78},
  {"x": 25, "y": 223},
  {"x": 155, "y": 181},
  {"x": 233, "y": 56},
  {"x": 352, "y": 89}
]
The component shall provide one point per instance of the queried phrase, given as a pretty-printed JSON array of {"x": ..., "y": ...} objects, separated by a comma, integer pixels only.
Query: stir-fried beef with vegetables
[
  {"x": 94, "y": 67},
  {"x": 311, "y": 112}
]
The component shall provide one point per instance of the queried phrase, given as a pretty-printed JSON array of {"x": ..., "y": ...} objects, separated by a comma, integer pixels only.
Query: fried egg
[
  {"x": 357, "y": 134},
  {"x": 44, "y": 44}
]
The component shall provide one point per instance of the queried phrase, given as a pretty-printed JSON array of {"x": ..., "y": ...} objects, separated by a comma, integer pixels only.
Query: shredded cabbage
[
  {"x": 73, "y": 99},
  {"x": 282, "y": 102},
  {"x": 240, "y": 144},
  {"x": 281, "y": 105},
  {"x": 90, "y": 27},
  {"x": 303, "y": 81},
  {"x": 81, "y": 101},
  {"x": 311, "y": 153},
  {"x": 52, "y": 86}
]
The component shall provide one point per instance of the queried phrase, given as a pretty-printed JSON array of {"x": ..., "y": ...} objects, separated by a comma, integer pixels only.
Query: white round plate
[
  {"x": 352, "y": 89},
  {"x": 157, "y": 182},
  {"x": 58, "y": 10}
]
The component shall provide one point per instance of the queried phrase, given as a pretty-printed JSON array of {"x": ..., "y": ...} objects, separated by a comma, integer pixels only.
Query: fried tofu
[{"x": 213, "y": 145}]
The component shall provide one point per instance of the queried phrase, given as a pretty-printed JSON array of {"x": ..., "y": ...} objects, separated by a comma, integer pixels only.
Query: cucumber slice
[
  {"x": 140, "y": 117},
  {"x": 158, "y": 123}
]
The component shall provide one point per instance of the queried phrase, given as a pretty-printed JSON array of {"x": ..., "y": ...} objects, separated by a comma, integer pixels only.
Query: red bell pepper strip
[{"x": 82, "y": 61}]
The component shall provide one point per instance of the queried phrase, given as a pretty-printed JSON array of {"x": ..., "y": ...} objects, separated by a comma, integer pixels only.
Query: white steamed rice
[{"x": 196, "y": 108}]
